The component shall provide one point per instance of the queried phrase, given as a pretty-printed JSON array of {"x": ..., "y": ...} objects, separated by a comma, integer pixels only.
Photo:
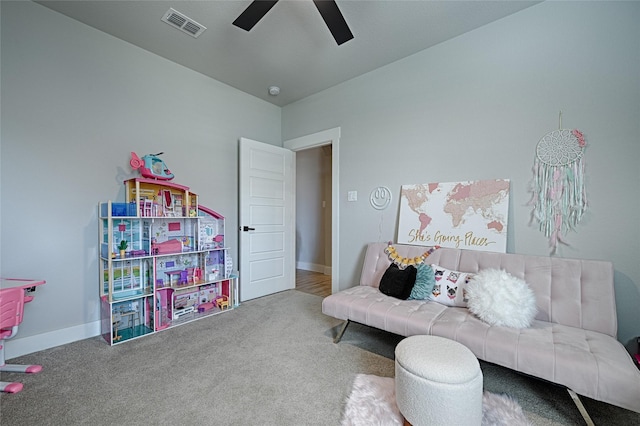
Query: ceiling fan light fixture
[{"x": 274, "y": 90}]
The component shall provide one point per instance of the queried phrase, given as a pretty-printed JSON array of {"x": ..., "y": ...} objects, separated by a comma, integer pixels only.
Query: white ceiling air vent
[{"x": 183, "y": 23}]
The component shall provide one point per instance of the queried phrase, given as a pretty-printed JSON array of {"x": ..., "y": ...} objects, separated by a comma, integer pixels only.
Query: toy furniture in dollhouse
[
  {"x": 165, "y": 247},
  {"x": 172, "y": 275},
  {"x": 115, "y": 322},
  {"x": 174, "y": 271},
  {"x": 13, "y": 296},
  {"x": 194, "y": 275},
  {"x": 132, "y": 317},
  {"x": 146, "y": 207},
  {"x": 204, "y": 307},
  {"x": 222, "y": 302},
  {"x": 185, "y": 302},
  {"x": 177, "y": 205},
  {"x": 179, "y": 313},
  {"x": 168, "y": 207}
]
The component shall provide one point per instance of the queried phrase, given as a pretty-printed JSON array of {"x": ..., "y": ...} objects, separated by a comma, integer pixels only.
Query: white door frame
[{"x": 327, "y": 137}]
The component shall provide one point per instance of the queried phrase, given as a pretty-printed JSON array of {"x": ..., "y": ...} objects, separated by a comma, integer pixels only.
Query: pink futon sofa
[{"x": 571, "y": 342}]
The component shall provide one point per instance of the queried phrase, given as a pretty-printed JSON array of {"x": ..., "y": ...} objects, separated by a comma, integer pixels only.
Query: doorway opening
[
  {"x": 313, "y": 220},
  {"x": 317, "y": 237}
]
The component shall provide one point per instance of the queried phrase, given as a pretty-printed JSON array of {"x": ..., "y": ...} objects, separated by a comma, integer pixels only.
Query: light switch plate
[{"x": 352, "y": 196}]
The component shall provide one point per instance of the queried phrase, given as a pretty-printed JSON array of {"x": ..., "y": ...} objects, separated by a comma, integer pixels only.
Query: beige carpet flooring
[{"x": 271, "y": 361}]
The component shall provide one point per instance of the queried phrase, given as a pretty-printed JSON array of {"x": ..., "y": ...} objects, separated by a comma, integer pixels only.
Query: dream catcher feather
[{"x": 559, "y": 196}]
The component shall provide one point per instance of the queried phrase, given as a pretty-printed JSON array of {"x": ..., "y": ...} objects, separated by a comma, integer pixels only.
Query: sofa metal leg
[
  {"x": 583, "y": 411},
  {"x": 341, "y": 332}
]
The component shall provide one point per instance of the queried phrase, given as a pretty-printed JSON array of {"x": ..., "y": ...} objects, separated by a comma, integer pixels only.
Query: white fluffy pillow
[{"x": 499, "y": 298}]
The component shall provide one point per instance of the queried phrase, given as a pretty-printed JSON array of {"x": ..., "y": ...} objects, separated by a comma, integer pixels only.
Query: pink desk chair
[{"x": 11, "y": 309}]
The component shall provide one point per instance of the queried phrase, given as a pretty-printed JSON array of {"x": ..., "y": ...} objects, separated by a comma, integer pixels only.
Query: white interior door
[{"x": 267, "y": 219}]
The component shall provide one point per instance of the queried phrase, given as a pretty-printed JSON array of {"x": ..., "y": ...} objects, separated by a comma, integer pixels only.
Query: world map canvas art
[{"x": 469, "y": 215}]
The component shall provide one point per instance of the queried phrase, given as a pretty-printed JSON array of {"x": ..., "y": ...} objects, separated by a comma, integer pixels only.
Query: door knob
[{"x": 246, "y": 228}]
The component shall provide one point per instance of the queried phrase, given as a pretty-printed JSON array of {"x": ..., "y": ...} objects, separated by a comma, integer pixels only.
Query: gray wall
[
  {"x": 475, "y": 107},
  {"x": 75, "y": 103}
]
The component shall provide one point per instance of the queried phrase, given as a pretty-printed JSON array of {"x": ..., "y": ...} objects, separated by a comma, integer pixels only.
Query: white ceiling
[{"x": 291, "y": 46}]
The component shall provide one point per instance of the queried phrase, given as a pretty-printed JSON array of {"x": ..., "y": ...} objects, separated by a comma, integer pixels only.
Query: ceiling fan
[{"x": 328, "y": 10}]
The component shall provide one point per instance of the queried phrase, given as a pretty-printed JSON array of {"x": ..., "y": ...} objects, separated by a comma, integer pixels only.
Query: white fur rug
[{"x": 373, "y": 402}]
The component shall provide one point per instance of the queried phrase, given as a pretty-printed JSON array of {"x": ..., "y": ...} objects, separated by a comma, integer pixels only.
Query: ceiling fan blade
[
  {"x": 253, "y": 13},
  {"x": 334, "y": 20}
]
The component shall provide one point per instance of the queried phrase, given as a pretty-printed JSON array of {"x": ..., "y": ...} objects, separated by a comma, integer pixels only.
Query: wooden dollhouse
[{"x": 175, "y": 266}]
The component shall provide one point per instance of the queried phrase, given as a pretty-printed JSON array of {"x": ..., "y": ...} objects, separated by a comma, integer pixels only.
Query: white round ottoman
[{"x": 438, "y": 382}]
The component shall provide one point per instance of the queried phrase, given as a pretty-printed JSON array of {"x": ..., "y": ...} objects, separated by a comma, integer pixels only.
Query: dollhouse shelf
[{"x": 175, "y": 269}]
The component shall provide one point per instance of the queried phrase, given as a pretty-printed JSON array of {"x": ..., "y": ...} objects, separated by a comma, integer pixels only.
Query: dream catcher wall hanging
[{"x": 559, "y": 196}]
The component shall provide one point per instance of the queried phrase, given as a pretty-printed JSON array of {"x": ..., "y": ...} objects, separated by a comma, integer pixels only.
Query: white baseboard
[
  {"x": 27, "y": 345},
  {"x": 306, "y": 266}
]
